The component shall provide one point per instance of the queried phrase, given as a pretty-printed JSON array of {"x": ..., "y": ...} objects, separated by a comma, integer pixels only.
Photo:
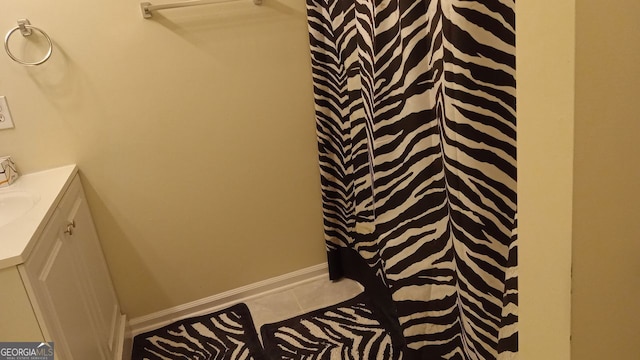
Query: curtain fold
[{"x": 416, "y": 123}]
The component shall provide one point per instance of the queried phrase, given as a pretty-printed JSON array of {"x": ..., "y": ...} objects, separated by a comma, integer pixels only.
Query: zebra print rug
[
  {"x": 228, "y": 334},
  {"x": 353, "y": 329}
]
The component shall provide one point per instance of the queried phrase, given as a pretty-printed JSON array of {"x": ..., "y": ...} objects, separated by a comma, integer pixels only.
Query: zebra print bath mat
[
  {"x": 349, "y": 330},
  {"x": 228, "y": 334}
]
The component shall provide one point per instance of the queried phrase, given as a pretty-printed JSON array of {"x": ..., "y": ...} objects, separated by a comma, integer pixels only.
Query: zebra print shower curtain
[{"x": 416, "y": 123}]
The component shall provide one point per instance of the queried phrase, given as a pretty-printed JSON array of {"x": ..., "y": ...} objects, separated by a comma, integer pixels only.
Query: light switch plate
[{"x": 5, "y": 115}]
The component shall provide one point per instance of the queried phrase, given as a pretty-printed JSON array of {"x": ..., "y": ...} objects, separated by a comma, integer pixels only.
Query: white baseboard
[
  {"x": 220, "y": 301},
  {"x": 121, "y": 334}
]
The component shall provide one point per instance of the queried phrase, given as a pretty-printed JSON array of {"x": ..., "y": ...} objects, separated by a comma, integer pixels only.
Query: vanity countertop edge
[{"x": 18, "y": 237}]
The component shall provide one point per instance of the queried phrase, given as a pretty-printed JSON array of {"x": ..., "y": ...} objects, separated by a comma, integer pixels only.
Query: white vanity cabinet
[{"x": 69, "y": 286}]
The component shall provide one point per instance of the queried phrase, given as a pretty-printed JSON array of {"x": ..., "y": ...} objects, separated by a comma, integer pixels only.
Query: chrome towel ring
[{"x": 26, "y": 28}]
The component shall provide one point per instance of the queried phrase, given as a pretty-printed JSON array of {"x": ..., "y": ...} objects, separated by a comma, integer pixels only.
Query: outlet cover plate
[{"x": 6, "y": 122}]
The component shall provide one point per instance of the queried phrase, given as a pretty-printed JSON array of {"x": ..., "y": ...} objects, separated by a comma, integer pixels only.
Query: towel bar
[{"x": 148, "y": 8}]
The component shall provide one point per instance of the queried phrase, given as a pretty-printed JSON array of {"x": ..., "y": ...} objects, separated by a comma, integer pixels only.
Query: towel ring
[{"x": 26, "y": 28}]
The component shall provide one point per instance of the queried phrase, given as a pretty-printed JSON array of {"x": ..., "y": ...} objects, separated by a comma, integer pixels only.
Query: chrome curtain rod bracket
[{"x": 147, "y": 8}]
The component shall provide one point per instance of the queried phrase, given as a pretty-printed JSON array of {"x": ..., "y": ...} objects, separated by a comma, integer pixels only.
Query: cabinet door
[
  {"x": 71, "y": 285},
  {"x": 97, "y": 283},
  {"x": 58, "y": 286}
]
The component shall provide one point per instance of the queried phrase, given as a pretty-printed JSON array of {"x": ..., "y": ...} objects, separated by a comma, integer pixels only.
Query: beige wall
[
  {"x": 18, "y": 322},
  {"x": 221, "y": 96},
  {"x": 545, "y": 75},
  {"x": 606, "y": 244},
  {"x": 194, "y": 133}
]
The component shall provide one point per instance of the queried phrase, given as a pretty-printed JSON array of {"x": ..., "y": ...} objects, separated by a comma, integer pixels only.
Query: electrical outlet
[{"x": 5, "y": 115}]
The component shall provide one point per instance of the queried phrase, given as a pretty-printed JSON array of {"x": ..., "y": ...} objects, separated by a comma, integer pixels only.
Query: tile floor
[
  {"x": 306, "y": 297},
  {"x": 284, "y": 304}
]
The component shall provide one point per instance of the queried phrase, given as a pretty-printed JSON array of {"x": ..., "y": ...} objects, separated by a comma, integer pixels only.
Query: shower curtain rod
[{"x": 148, "y": 8}]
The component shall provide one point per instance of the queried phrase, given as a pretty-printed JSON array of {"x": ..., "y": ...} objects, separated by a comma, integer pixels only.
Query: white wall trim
[{"x": 216, "y": 302}]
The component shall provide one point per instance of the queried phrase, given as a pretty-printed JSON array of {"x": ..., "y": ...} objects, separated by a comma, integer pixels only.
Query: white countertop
[{"x": 18, "y": 237}]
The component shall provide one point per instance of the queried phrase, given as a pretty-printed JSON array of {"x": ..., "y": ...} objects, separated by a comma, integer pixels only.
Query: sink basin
[
  {"x": 25, "y": 208},
  {"x": 14, "y": 204}
]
